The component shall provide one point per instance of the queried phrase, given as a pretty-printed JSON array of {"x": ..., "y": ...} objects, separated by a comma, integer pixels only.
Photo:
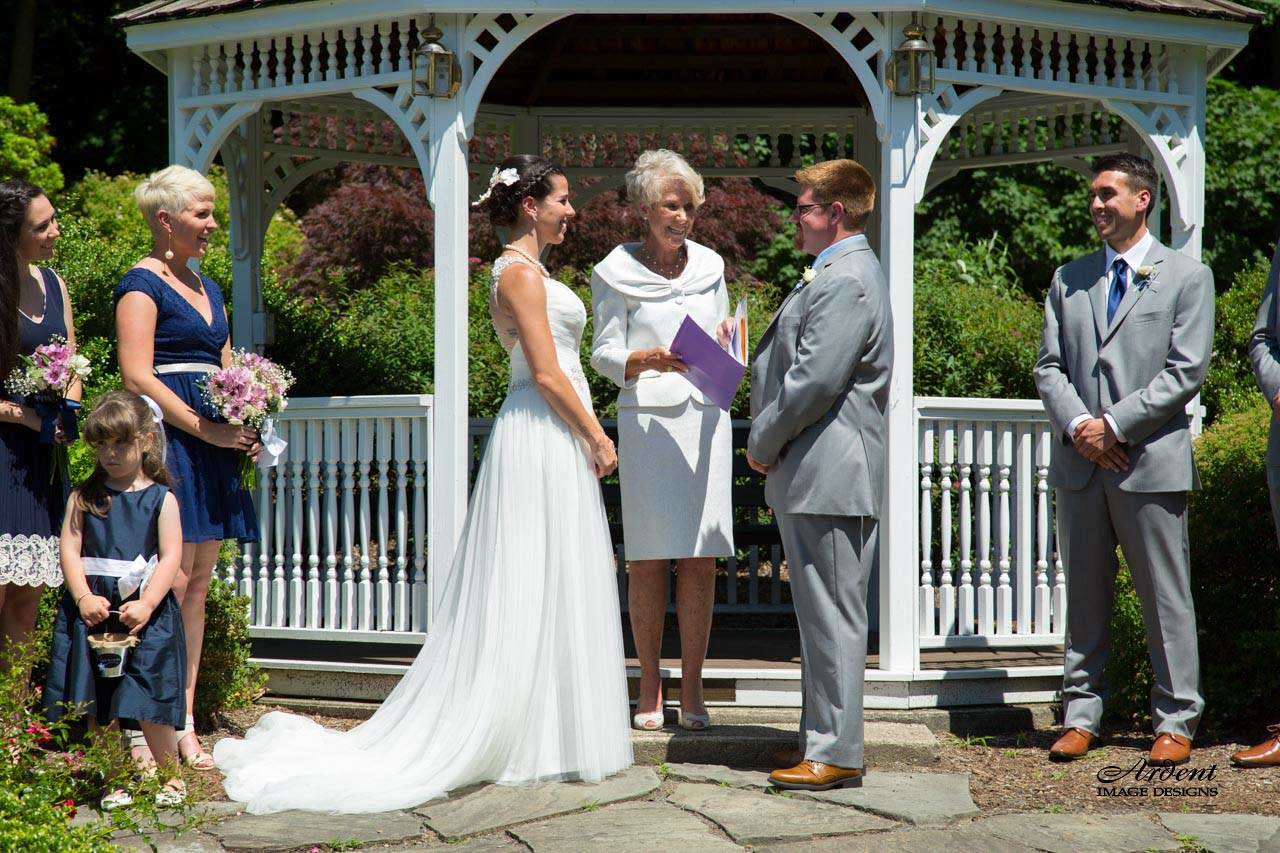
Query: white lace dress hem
[{"x": 29, "y": 560}]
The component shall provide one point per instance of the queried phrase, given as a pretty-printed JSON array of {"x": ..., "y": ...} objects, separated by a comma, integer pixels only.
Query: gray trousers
[
  {"x": 829, "y": 560},
  {"x": 1151, "y": 530}
]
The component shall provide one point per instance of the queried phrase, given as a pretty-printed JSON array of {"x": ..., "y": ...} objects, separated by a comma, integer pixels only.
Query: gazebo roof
[{"x": 164, "y": 10}]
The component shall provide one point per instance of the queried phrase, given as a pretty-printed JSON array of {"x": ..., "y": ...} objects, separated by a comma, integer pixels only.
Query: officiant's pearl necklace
[
  {"x": 528, "y": 257},
  {"x": 672, "y": 270}
]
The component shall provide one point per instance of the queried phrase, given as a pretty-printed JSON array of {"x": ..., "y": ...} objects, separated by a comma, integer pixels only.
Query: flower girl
[{"x": 119, "y": 651}]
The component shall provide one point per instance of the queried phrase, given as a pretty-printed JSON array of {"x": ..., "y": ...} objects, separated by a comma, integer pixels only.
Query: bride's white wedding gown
[{"x": 522, "y": 677}]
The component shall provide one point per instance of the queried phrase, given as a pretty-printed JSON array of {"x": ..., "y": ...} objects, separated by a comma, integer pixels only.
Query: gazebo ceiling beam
[{"x": 540, "y": 80}]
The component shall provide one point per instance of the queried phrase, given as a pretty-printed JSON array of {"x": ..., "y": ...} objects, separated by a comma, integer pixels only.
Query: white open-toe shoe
[{"x": 650, "y": 722}]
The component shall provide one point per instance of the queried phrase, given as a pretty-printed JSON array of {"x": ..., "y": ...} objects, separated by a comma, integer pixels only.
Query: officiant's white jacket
[{"x": 635, "y": 308}]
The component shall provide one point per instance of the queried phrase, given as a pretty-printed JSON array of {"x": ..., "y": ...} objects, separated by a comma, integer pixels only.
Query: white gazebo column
[
  {"x": 242, "y": 156},
  {"x": 1187, "y": 228},
  {"x": 447, "y": 191},
  {"x": 899, "y": 574}
]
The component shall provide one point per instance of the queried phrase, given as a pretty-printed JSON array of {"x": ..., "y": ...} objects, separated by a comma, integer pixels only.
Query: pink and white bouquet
[
  {"x": 248, "y": 393},
  {"x": 46, "y": 376}
]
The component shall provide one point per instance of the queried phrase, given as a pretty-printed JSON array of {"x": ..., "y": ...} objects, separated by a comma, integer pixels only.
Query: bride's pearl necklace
[{"x": 528, "y": 257}]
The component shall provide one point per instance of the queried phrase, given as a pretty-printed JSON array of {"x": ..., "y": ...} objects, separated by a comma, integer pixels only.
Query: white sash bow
[{"x": 131, "y": 575}]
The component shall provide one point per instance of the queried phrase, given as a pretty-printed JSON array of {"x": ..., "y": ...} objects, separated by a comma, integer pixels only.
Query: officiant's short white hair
[
  {"x": 656, "y": 170},
  {"x": 173, "y": 188}
]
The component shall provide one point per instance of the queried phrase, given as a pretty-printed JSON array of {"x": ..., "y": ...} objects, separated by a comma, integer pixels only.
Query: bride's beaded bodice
[{"x": 566, "y": 316}]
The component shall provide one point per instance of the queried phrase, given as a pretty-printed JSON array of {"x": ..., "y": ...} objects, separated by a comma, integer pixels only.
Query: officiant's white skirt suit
[{"x": 675, "y": 446}]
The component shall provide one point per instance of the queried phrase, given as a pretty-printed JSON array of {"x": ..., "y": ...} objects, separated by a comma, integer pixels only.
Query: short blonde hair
[
  {"x": 173, "y": 189},
  {"x": 654, "y": 171},
  {"x": 845, "y": 181}
]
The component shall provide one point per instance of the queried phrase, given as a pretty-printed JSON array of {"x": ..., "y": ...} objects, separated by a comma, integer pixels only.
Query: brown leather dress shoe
[
  {"x": 1265, "y": 754},
  {"x": 784, "y": 758},
  {"x": 1170, "y": 750},
  {"x": 816, "y": 776},
  {"x": 1073, "y": 744}
]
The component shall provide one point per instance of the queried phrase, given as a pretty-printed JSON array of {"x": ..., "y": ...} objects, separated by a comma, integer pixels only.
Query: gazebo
[{"x": 280, "y": 90}]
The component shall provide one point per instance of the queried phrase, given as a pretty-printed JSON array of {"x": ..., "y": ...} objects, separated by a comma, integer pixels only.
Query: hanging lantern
[
  {"x": 911, "y": 70},
  {"x": 435, "y": 70}
]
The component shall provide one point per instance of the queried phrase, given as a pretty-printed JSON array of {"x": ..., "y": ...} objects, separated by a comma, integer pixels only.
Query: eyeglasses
[{"x": 802, "y": 209}]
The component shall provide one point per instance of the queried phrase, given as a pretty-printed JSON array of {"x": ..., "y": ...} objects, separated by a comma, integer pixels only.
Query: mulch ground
[{"x": 1012, "y": 773}]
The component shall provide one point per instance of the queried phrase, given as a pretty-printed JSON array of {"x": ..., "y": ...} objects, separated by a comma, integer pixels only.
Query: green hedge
[
  {"x": 976, "y": 332},
  {"x": 380, "y": 339}
]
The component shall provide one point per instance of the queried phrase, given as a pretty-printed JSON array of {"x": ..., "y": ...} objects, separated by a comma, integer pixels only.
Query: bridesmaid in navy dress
[
  {"x": 34, "y": 307},
  {"x": 173, "y": 331}
]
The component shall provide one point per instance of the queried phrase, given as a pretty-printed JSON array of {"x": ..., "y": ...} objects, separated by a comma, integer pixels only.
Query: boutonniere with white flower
[
  {"x": 808, "y": 275},
  {"x": 506, "y": 177},
  {"x": 1144, "y": 275}
]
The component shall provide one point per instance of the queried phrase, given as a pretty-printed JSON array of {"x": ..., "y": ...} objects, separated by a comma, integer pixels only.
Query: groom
[
  {"x": 819, "y": 385},
  {"x": 1127, "y": 334}
]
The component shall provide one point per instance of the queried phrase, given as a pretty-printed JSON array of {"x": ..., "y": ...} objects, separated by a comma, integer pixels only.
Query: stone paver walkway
[{"x": 695, "y": 807}]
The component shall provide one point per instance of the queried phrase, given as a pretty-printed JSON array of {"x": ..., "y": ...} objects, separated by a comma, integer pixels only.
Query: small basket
[{"x": 111, "y": 652}]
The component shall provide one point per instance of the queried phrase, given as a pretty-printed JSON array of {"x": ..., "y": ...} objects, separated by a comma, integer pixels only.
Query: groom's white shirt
[
  {"x": 1133, "y": 259},
  {"x": 832, "y": 249}
]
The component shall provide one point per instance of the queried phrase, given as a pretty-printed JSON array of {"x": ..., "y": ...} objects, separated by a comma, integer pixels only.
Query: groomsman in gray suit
[
  {"x": 1264, "y": 350},
  {"x": 1128, "y": 331},
  {"x": 819, "y": 385}
]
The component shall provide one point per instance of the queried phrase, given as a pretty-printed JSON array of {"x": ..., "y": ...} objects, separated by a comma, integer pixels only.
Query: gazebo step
[
  {"x": 963, "y": 721},
  {"x": 730, "y": 684},
  {"x": 753, "y": 745}
]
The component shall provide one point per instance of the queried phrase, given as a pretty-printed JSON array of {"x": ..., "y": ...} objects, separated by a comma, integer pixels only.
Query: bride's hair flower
[{"x": 506, "y": 177}]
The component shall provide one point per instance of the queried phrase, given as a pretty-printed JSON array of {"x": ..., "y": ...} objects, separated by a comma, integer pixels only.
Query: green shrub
[
  {"x": 26, "y": 145},
  {"x": 380, "y": 339},
  {"x": 1233, "y": 561},
  {"x": 1128, "y": 675},
  {"x": 976, "y": 332},
  {"x": 1039, "y": 210},
  {"x": 1230, "y": 385},
  {"x": 1233, "y": 580},
  {"x": 228, "y": 680},
  {"x": 50, "y": 770}
]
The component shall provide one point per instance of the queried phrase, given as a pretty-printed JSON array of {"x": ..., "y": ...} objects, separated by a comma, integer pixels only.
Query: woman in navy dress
[
  {"x": 172, "y": 330},
  {"x": 121, "y": 546},
  {"x": 34, "y": 308}
]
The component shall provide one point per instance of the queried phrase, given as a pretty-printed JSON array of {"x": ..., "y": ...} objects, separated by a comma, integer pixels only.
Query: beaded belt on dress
[
  {"x": 186, "y": 367},
  {"x": 572, "y": 371}
]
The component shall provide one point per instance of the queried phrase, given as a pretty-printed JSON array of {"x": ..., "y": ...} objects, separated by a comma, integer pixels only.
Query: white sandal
[
  {"x": 649, "y": 722},
  {"x": 693, "y": 722},
  {"x": 170, "y": 796},
  {"x": 117, "y": 799},
  {"x": 198, "y": 760}
]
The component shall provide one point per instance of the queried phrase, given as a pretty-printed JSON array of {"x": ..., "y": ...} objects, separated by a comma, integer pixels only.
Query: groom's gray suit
[
  {"x": 819, "y": 385},
  {"x": 1264, "y": 351},
  {"x": 1142, "y": 369}
]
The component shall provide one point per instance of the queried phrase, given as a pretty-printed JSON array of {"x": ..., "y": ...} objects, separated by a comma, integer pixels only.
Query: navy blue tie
[{"x": 1117, "y": 289}]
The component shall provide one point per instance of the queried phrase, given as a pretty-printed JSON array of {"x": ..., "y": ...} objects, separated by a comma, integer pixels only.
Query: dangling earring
[{"x": 168, "y": 253}]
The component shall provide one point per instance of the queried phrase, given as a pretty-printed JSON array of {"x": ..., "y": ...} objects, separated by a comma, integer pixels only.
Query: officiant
[{"x": 675, "y": 446}]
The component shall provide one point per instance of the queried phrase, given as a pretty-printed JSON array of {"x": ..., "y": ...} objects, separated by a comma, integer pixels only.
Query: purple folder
[{"x": 712, "y": 370}]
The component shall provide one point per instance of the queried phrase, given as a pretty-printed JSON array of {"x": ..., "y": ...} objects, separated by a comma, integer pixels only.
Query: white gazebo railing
[
  {"x": 345, "y": 521},
  {"x": 989, "y": 573}
]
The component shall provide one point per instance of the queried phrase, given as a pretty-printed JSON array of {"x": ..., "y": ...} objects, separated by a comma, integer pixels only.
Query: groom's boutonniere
[
  {"x": 1144, "y": 274},
  {"x": 808, "y": 275}
]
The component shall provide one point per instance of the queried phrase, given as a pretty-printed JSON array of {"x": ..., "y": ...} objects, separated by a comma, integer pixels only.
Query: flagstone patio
[{"x": 697, "y": 807}]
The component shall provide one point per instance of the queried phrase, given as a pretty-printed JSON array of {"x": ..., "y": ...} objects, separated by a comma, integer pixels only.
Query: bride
[{"x": 521, "y": 679}]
